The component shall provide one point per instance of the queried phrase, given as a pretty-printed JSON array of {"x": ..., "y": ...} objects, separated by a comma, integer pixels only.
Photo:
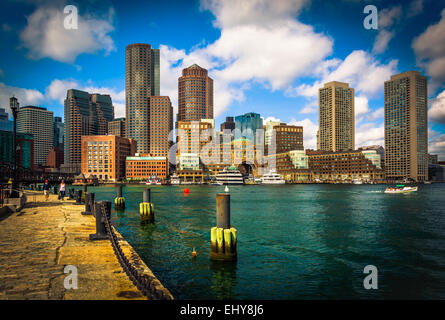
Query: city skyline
[{"x": 266, "y": 90}]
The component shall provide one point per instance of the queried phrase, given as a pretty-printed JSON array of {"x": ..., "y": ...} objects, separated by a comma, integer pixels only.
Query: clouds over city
[{"x": 45, "y": 36}]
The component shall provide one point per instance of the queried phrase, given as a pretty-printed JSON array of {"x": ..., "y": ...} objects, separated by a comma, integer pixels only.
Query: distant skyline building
[
  {"x": 39, "y": 122},
  {"x": 195, "y": 94},
  {"x": 116, "y": 127},
  {"x": 25, "y": 152},
  {"x": 59, "y": 131},
  {"x": 287, "y": 138},
  {"x": 406, "y": 127},
  {"x": 229, "y": 124},
  {"x": 142, "y": 80},
  {"x": 161, "y": 124},
  {"x": 336, "y": 117},
  {"x": 5, "y": 123},
  {"x": 85, "y": 114},
  {"x": 246, "y": 126}
]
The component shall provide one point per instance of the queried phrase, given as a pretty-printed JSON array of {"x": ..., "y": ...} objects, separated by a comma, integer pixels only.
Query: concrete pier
[{"x": 44, "y": 237}]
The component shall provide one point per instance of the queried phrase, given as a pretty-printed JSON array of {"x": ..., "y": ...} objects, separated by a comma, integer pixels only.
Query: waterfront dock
[{"x": 45, "y": 236}]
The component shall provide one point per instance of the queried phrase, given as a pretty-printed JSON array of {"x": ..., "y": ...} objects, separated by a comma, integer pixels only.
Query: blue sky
[{"x": 268, "y": 57}]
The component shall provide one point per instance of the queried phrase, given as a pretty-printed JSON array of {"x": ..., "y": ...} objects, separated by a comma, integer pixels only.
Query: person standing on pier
[
  {"x": 62, "y": 189},
  {"x": 46, "y": 187}
]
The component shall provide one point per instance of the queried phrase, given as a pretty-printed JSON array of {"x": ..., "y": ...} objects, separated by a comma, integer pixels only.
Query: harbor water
[{"x": 294, "y": 241}]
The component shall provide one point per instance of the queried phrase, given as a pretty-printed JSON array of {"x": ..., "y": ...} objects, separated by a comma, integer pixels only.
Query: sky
[{"x": 268, "y": 57}]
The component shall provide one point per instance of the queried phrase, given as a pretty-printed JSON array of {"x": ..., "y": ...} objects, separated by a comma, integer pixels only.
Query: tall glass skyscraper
[
  {"x": 406, "y": 127},
  {"x": 247, "y": 125},
  {"x": 142, "y": 80}
]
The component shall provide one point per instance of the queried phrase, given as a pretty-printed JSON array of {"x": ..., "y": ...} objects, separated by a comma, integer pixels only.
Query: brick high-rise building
[
  {"x": 336, "y": 117},
  {"x": 287, "y": 138},
  {"x": 142, "y": 78},
  {"x": 105, "y": 156},
  {"x": 38, "y": 122},
  {"x": 406, "y": 127},
  {"x": 161, "y": 124},
  {"x": 229, "y": 124},
  {"x": 116, "y": 127},
  {"x": 195, "y": 94},
  {"x": 85, "y": 115}
]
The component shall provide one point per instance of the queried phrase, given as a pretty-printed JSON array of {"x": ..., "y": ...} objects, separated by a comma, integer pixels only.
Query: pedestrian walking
[
  {"x": 62, "y": 189},
  {"x": 46, "y": 188}
]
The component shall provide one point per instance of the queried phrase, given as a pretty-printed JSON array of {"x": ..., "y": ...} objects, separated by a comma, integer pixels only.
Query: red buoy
[{"x": 186, "y": 191}]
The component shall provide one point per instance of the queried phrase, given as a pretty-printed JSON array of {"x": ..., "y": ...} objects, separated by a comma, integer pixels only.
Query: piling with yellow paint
[
  {"x": 146, "y": 208},
  {"x": 119, "y": 201}
]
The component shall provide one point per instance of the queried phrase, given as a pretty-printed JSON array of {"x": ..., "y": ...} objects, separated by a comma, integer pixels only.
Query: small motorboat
[{"x": 401, "y": 189}]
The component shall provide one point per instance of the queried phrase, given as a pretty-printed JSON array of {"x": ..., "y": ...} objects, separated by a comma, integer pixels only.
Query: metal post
[
  {"x": 119, "y": 191},
  {"x": 146, "y": 196},
  {"x": 79, "y": 197},
  {"x": 89, "y": 203},
  {"x": 223, "y": 210},
  {"x": 71, "y": 193},
  {"x": 101, "y": 230},
  {"x": 14, "y": 105}
]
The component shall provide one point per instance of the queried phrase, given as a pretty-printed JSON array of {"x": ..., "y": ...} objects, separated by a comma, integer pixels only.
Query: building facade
[
  {"x": 55, "y": 157},
  {"x": 287, "y": 138},
  {"x": 195, "y": 94},
  {"x": 38, "y": 122},
  {"x": 336, "y": 117},
  {"x": 144, "y": 166},
  {"x": 246, "y": 126},
  {"x": 406, "y": 127},
  {"x": 105, "y": 156},
  {"x": 85, "y": 115},
  {"x": 116, "y": 127},
  {"x": 59, "y": 131},
  {"x": 25, "y": 152},
  {"x": 229, "y": 124},
  {"x": 142, "y": 80},
  {"x": 161, "y": 126}
]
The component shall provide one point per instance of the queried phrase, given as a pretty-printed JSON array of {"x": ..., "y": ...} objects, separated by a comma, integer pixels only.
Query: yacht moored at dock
[
  {"x": 272, "y": 178},
  {"x": 230, "y": 175}
]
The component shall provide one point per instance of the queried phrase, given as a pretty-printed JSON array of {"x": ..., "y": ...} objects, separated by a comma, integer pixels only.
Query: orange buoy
[
  {"x": 194, "y": 253},
  {"x": 186, "y": 190}
]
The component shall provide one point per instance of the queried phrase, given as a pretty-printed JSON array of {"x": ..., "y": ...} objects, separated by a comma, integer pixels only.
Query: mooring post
[
  {"x": 119, "y": 201},
  {"x": 78, "y": 196},
  {"x": 223, "y": 236},
  {"x": 101, "y": 230},
  {"x": 146, "y": 208},
  {"x": 71, "y": 193},
  {"x": 89, "y": 203},
  {"x": 85, "y": 189}
]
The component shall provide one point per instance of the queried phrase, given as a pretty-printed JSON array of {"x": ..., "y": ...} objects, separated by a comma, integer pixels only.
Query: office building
[
  {"x": 144, "y": 166},
  {"x": 336, "y": 117},
  {"x": 286, "y": 138},
  {"x": 406, "y": 127},
  {"x": 59, "y": 131},
  {"x": 5, "y": 124},
  {"x": 85, "y": 115},
  {"x": 55, "y": 157},
  {"x": 161, "y": 125},
  {"x": 25, "y": 150},
  {"x": 246, "y": 126},
  {"x": 142, "y": 78},
  {"x": 105, "y": 156},
  {"x": 229, "y": 124},
  {"x": 38, "y": 122},
  {"x": 195, "y": 94},
  {"x": 116, "y": 127}
]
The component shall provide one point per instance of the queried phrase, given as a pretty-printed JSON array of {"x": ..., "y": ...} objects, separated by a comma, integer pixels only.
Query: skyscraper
[
  {"x": 161, "y": 124},
  {"x": 59, "y": 131},
  {"x": 117, "y": 127},
  {"x": 406, "y": 127},
  {"x": 85, "y": 114},
  {"x": 336, "y": 117},
  {"x": 229, "y": 124},
  {"x": 247, "y": 125},
  {"x": 195, "y": 94},
  {"x": 38, "y": 122},
  {"x": 142, "y": 80}
]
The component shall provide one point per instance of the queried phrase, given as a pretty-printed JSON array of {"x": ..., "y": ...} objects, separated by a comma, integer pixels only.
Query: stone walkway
[{"x": 38, "y": 242}]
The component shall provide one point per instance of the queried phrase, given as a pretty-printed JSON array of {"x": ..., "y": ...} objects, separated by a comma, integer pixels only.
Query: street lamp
[{"x": 14, "y": 105}]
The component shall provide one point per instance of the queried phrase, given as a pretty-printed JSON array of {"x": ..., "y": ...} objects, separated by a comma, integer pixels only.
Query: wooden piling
[
  {"x": 119, "y": 201},
  {"x": 146, "y": 208},
  {"x": 223, "y": 237}
]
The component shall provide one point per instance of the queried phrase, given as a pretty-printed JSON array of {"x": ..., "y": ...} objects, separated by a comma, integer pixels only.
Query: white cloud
[
  {"x": 361, "y": 108},
  {"x": 57, "y": 91},
  {"x": 368, "y": 134},
  {"x": 310, "y": 107},
  {"x": 360, "y": 69},
  {"x": 24, "y": 96},
  {"x": 271, "y": 118},
  {"x": 415, "y": 8},
  {"x": 437, "y": 111},
  {"x": 429, "y": 48},
  {"x": 260, "y": 41},
  {"x": 45, "y": 35},
  {"x": 382, "y": 40},
  {"x": 437, "y": 146},
  {"x": 377, "y": 114},
  {"x": 309, "y": 132}
]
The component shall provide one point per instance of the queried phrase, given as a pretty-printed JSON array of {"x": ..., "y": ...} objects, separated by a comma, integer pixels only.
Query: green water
[{"x": 294, "y": 241}]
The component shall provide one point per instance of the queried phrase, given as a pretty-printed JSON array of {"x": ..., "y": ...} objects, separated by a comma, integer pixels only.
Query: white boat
[
  {"x": 229, "y": 175},
  {"x": 174, "y": 179},
  {"x": 401, "y": 189},
  {"x": 153, "y": 180},
  {"x": 272, "y": 178},
  {"x": 357, "y": 181}
]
